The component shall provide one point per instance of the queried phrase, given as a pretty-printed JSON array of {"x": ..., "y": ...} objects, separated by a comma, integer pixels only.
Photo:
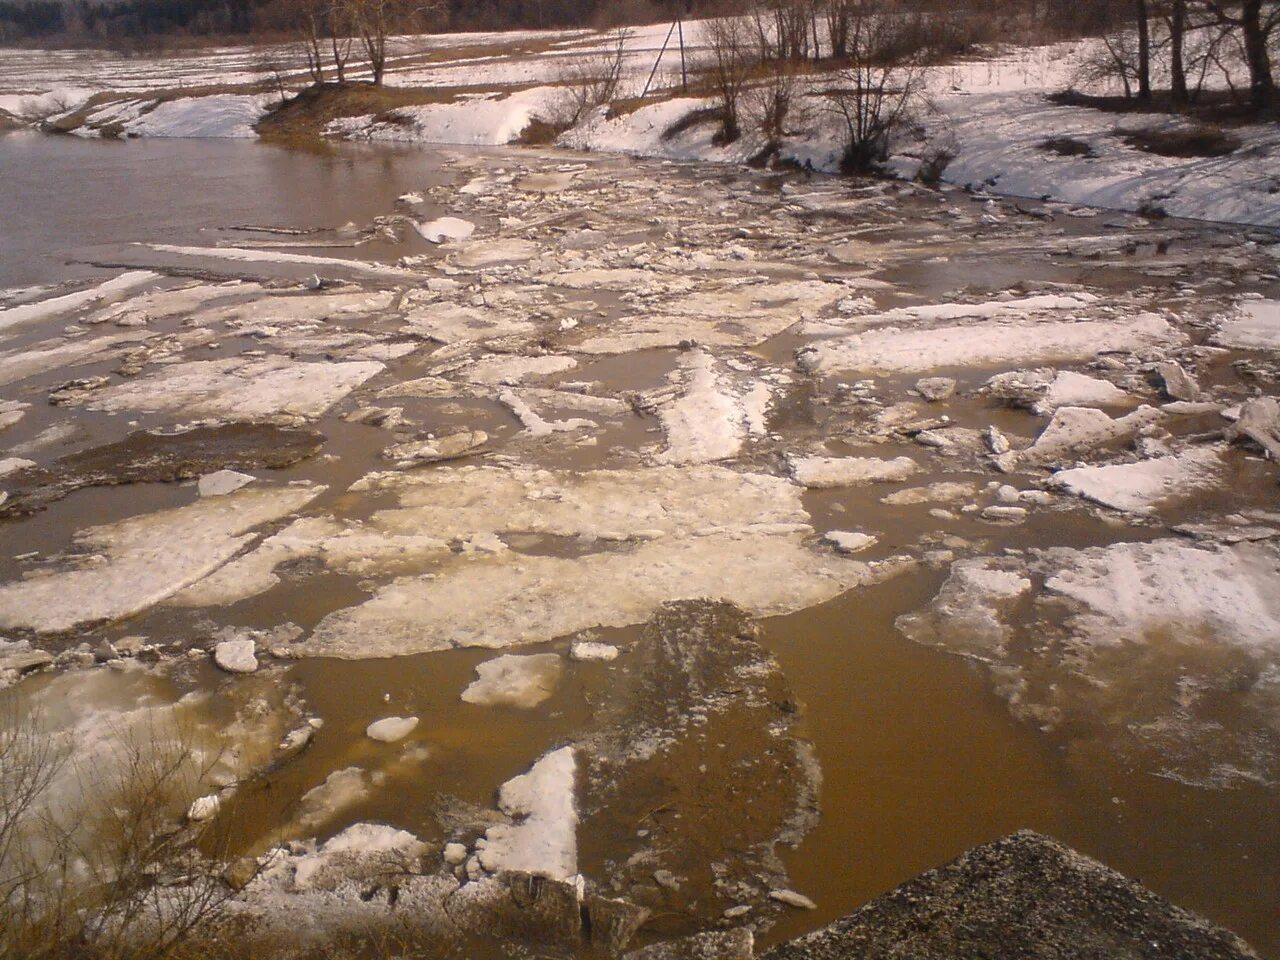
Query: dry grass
[
  {"x": 302, "y": 118},
  {"x": 1067, "y": 147},
  {"x": 1200, "y": 140}
]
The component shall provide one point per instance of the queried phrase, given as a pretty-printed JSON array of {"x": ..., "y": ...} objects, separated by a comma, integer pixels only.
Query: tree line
[{"x": 97, "y": 21}]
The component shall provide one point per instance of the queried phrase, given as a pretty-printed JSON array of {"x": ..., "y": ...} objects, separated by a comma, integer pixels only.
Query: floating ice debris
[
  {"x": 1143, "y": 486},
  {"x": 445, "y": 228},
  {"x": 204, "y": 808},
  {"x": 586, "y": 650},
  {"x": 515, "y": 681},
  {"x": 236, "y": 656},
  {"x": 391, "y": 729},
  {"x": 1257, "y": 327},
  {"x": 793, "y": 899},
  {"x": 544, "y": 841},
  {"x": 222, "y": 482},
  {"x": 827, "y": 472},
  {"x": 849, "y": 541}
]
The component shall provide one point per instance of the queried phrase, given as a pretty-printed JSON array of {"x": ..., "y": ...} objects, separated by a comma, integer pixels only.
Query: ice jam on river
[{"x": 698, "y": 549}]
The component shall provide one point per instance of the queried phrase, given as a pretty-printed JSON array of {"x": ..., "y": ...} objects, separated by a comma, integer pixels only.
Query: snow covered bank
[{"x": 989, "y": 116}]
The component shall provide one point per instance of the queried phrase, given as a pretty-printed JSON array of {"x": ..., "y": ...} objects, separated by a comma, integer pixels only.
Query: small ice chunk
[
  {"x": 204, "y": 808},
  {"x": 544, "y": 840},
  {"x": 236, "y": 656},
  {"x": 848, "y": 541},
  {"x": 455, "y": 853},
  {"x": 793, "y": 899},
  {"x": 222, "y": 482},
  {"x": 391, "y": 729},
  {"x": 826, "y": 472},
  {"x": 591, "y": 650},
  {"x": 446, "y": 228},
  {"x": 13, "y": 464},
  {"x": 515, "y": 681}
]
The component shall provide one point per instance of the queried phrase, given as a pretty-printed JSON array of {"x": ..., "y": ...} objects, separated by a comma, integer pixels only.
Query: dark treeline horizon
[{"x": 105, "y": 21}]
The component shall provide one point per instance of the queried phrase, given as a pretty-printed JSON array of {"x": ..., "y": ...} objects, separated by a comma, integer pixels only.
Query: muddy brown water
[{"x": 920, "y": 759}]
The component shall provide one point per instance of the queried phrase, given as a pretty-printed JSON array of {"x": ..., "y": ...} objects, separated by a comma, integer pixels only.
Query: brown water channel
[{"x": 920, "y": 759}]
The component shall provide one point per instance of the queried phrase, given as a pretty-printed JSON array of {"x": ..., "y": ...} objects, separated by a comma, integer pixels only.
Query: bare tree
[
  {"x": 308, "y": 29},
  {"x": 877, "y": 93},
  {"x": 374, "y": 22},
  {"x": 732, "y": 58},
  {"x": 113, "y": 874},
  {"x": 1113, "y": 60},
  {"x": 1258, "y": 22},
  {"x": 1143, "y": 17},
  {"x": 774, "y": 103},
  {"x": 593, "y": 81}
]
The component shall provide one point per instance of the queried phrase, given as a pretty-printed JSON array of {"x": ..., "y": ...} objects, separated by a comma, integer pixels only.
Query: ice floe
[
  {"x": 1144, "y": 486},
  {"x": 239, "y": 388},
  {"x": 545, "y": 840},
  {"x": 515, "y": 681},
  {"x": 128, "y": 566}
]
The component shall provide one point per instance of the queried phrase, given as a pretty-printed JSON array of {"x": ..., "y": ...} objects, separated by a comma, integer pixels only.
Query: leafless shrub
[
  {"x": 1066, "y": 147},
  {"x": 933, "y": 166},
  {"x": 114, "y": 874},
  {"x": 40, "y": 110},
  {"x": 877, "y": 93},
  {"x": 776, "y": 103},
  {"x": 593, "y": 81},
  {"x": 1113, "y": 61},
  {"x": 731, "y": 59},
  {"x": 1200, "y": 140}
]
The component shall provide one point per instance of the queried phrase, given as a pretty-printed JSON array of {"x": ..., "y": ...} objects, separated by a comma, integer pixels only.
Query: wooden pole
[
  {"x": 684, "y": 70},
  {"x": 654, "y": 72}
]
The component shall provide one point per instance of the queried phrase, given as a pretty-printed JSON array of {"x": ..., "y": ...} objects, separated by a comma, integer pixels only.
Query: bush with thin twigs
[
  {"x": 731, "y": 59},
  {"x": 115, "y": 874},
  {"x": 590, "y": 82},
  {"x": 1067, "y": 147},
  {"x": 877, "y": 93},
  {"x": 1200, "y": 140}
]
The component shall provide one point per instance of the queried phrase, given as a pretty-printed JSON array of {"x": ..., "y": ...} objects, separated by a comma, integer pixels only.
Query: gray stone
[
  {"x": 1260, "y": 422},
  {"x": 1024, "y": 897},
  {"x": 1177, "y": 383},
  {"x": 738, "y": 944},
  {"x": 613, "y": 923},
  {"x": 934, "y": 389}
]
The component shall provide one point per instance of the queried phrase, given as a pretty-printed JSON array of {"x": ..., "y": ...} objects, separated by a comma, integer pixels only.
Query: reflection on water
[{"x": 62, "y": 196}]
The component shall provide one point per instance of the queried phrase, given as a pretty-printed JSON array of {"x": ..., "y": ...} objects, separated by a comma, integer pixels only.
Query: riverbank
[{"x": 986, "y": 123}]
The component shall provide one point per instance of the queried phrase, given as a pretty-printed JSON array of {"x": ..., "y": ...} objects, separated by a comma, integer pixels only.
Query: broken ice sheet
[
  {"x": 1146, "y": 485},
  {"x": 890, "y": 350},
  {"x": 508, "y": 600},
  {"x": 239, "y": 388},
  {"x": 129, "y": 566},
  {"x": 1136, "y": 648}
]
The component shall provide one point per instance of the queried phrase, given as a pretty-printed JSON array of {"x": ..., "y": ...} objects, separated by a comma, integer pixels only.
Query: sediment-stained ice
[
  {"x": 1256, "y": 327},
  {"x": 134, "y": 564},
  {"x": 890, "y": 350},
  {"x": 1132, "y": 648},
  {"x": 1144, "y": 486},
  {"x": 515, "y": 681},
  {"x": 238, "y": 388},
  {"x": 512, "y": 600}
]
